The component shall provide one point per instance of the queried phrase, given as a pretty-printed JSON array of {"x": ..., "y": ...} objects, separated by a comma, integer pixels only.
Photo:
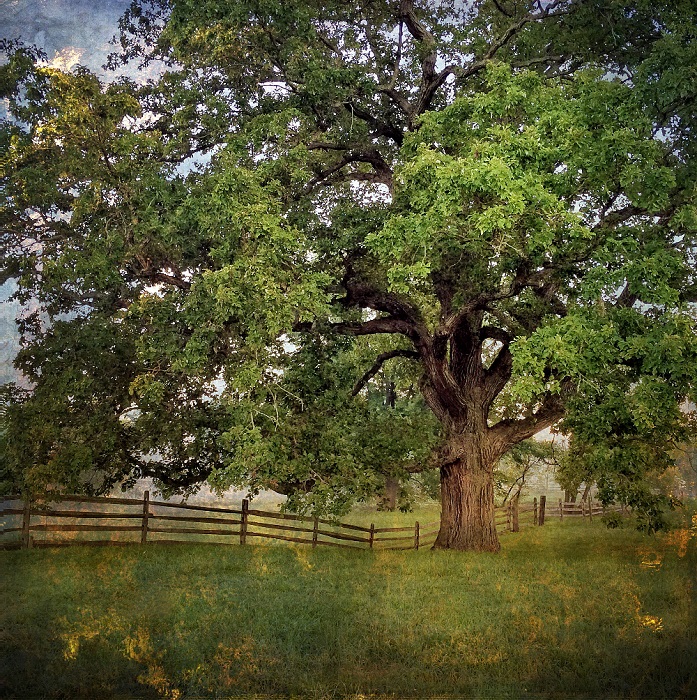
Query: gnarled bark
[{"x": 467, "y": 499}]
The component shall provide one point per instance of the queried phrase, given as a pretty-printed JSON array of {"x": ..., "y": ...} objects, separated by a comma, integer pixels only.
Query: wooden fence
[
  {"x": 122, "y": 521},
  {"x": 82, "y": 520},
  {"x": 586, "y": 509}
]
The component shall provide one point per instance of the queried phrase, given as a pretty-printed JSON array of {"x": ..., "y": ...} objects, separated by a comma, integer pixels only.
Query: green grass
[{"x": 567, "y": 610}]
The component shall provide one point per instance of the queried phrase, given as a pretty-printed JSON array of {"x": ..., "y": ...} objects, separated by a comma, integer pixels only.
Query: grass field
[{"x": 567, "y": 610}]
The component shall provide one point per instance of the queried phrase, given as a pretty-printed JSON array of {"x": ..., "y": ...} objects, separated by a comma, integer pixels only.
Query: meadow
[{"x": 570, "y": 609}]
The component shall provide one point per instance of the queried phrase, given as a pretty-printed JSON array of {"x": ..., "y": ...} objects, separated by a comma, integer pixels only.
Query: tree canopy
[{"x": 493, "y": 202}]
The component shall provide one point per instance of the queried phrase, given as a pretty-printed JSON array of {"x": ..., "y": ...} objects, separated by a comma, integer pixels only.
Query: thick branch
[
  {"x": 547, "y": 59},
  {"x": 620, "y": 216},
  {"x": 362, "y": 295},
  {"x": 398, "y": 59},
  {"x": 431, "y": 83},
  {"x": 328, "y": 146},
  {"x": 375, "y": 326},
  {"x": 382, "y": 128},
  {"x": 429, "y": 89},
  {"x": 146, "y": 272},
  {"x": 415, "y": 27},
  {"x": 513, "y": 431},
  {"x": 168, "y": 279},
  {"x": 372, "y": 327},
  {"x": 382, "y": 171},
  {"x": 498, "y": 374},
  {"x": 495, "y": 333},
  {"x": 380, "y": 360},
  {"x": 428, "y": 59},
  {"x": 399, "y": 100},
  {"x": 626, "y": 299},
  {"x": 502, "y": 9}
]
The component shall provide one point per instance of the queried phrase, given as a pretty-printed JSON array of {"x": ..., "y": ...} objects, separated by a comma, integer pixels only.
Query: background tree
[
  {"x": 512, "y": 214},
  {"x": 519, "y": 464},
  {"x": 686, "y": 468},
  {"x": 572, "y": 471}
]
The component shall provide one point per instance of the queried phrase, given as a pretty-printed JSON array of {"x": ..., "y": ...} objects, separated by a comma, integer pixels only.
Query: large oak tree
[{"x": 496, "y": 199}]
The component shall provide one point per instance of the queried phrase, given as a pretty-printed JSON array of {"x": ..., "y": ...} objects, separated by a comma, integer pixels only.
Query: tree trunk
[
  {"x": 570, "y": 496},
  {"x": 389, "y": 499},
  {"x": 467, "y": 499}
]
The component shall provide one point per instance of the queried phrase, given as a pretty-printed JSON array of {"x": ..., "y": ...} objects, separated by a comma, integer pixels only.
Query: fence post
[
  {"x": 26, "y": 518},
  {"x": 508, "y": 516},
  {"x": 583, "y": 508},
  {"x": 541, "y": 514},
  {"x": 146, "y": 514},
  {"x": 514, "y": 511},
  {"x": 243, "y": 526},
  {"x": 314, "y": 532},
  {"x": 416, "y": 535},
  {"x": 590, "y": 508},
  {"x": 534, "y": 511},
  {"x": 561, "y": 510},
  {"x": 372, "y": 535}
]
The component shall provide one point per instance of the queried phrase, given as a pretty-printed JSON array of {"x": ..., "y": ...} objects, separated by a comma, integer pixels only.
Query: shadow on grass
[{"x": 567, "y": 612}]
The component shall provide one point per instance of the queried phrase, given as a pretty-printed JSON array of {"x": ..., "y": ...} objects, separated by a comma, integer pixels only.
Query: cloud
[{"x": 67, "y": 57}]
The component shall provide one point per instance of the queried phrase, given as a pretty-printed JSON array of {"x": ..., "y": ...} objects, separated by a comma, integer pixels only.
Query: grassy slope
[{"x": 564, "y": 610}]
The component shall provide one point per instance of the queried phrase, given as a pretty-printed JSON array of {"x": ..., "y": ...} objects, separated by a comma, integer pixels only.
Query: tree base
[
  {"x": 467, "y": 501},
  {"x": 478, "y": 547}
]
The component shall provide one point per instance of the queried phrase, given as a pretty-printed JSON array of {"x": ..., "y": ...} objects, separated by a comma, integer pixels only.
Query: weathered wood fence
[
  {"x": 82, "y": 520},
  {"x": 122, "y": 521},
  {"x": 539, "y": 510},
  {"x": 586, "y": 508}
]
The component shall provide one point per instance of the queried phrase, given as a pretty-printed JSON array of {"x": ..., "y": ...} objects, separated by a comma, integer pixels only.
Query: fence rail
[
  {"x": 586, "y": 508},
  {"x": 165, "y": 523}
]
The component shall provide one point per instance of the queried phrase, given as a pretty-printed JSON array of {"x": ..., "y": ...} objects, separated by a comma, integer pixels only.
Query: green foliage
[
  {"x": 612, "y": 520},
  {"x": 219, "y": 256},
  {"x": 309, "y": 432}
]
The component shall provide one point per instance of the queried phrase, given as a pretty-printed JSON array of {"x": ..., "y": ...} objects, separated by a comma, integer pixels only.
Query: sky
[{"x": 69, "y": 31}]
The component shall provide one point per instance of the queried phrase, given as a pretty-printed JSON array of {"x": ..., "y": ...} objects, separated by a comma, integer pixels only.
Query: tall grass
[{"x": 567, "y": 610}]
